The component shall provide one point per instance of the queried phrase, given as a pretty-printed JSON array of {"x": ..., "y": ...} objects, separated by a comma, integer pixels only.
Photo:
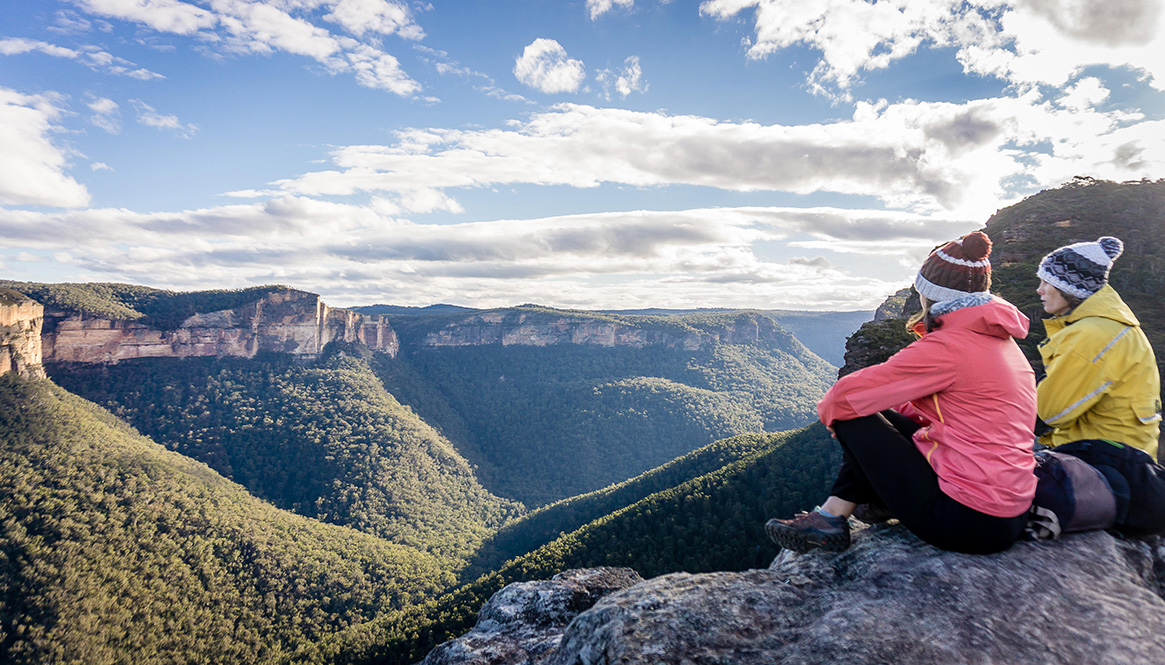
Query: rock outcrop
[
  {"x": 285, "y": 321},
  {"x": 523, "y": 622},
  {"x": 1087, "y": 598},
  {"x": 538, "y": 328},
  {"x": 21, "y": 319}
]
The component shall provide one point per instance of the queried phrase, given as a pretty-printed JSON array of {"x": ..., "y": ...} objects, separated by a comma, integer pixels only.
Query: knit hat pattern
[
  {"x": 956, "y": 269},
  {"x": 1081, "y": 269}
]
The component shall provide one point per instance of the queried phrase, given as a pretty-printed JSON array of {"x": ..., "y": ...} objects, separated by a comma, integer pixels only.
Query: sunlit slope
[{"x": 114, "y": 549}]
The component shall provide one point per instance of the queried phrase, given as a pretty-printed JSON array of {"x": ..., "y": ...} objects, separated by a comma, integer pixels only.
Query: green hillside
[
  {"x": 541, "y": 526},
  {"x": 115, "y": 550},
  {"x": 1085, "y": 209},
  {"x": 546, "y": 423},
  {"x": 159, "y": 308},
  {"x": 823, "y": 333},
  {"x": 1081, "y": 210},
  {"x": 711, "y": 522},
  {"x": 321, "y": 438}
]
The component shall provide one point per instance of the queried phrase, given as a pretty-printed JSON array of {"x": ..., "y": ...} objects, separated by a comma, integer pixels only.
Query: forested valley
[{"x": 355, "y": 507}]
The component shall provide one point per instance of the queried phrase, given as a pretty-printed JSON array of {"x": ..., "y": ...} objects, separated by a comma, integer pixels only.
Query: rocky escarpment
[
  {"x": 1087, "y": 598},
  {"x": 285, "y": 321},
  {"x": 535, "y": 327},
  {"x": 877, "y": 340},
  {"x": 21, "y": 319}
]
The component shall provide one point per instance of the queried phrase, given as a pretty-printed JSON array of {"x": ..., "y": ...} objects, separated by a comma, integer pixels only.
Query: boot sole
[{"x": 801, "y": 542}]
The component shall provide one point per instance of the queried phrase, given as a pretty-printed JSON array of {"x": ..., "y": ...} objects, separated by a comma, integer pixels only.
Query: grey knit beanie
[{"x": 1081, "y": 269}]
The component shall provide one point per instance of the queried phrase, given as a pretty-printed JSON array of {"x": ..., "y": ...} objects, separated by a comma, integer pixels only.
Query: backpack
[
  {"x": 1137, "y": 481},
  {"x": 1071, "y": 495}
]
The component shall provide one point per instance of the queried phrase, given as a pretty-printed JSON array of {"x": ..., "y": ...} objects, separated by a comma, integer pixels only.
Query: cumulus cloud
[
  {"x": 246, "y": 27},
  {"x": 597, "y": 8},
  {"x": 151, "y": 118},
  {"x": 90, "y": 56},
  {"x": 1020, "y": 41},
  {"x": 32, "y": 166},
  {"x": 545, "y": 67},
  {"x": 911, "y": 155}
]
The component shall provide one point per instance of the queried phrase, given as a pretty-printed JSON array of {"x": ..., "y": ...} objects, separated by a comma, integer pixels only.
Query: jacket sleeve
[
  {"x": 915, "y": 372},
  {"x": 1074, "y": 384}
]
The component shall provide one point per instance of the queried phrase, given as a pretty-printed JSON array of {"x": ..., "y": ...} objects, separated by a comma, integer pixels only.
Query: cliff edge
[
  {"x": 283, "y": 320},
  {"x": 21, "y": 319},
  {"x": 537, "y": 326},
  {"x": 890, "y": 598}
]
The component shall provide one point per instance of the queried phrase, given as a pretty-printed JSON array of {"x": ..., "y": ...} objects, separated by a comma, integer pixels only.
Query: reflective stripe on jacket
[
  {"x": 970, "y": 387},
  {"x": 1102, "y": 379}
]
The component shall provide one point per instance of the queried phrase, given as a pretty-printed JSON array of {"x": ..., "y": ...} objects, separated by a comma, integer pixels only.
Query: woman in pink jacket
[{"x": 940, "y": 435}]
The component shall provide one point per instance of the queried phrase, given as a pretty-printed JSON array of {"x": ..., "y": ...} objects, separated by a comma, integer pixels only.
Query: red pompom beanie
[{"x": 956, "y": 269}]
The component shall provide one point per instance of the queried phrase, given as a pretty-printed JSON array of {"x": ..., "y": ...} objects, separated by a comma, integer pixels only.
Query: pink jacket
[{"x": 970, "y": 387}]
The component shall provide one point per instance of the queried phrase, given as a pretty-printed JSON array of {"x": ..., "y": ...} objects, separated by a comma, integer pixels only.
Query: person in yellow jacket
[{"x": 1102, "y": 393}]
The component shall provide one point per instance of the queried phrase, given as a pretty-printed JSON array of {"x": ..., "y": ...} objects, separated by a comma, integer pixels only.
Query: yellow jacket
[{"x": 1102, "y": 380}]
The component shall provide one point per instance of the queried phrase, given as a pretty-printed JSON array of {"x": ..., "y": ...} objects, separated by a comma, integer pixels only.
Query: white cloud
[
  {"x": 100, "y": 166},
  {"x": 162, "y": 15},
  {"x": 33, "y": 167},
  {"x": 1085, "y": 94},
  {"x": 545, "y": 66},
  {"x": 379, "y": 16},
  {"x": 90, "y": 56},
  {"x": 1020, "y": 41},
  {"x": 378, "y": 70},
  {"x": 911, "y": 155},
  {"x": 628, "y": 80},
  {"x": 597, "y": 8},
  {"x": 245, "y": 27},
  {"x": 68, "y": 22},
  {"x": 637, "y": 258},
  {"x": 106, "y": 114},
  {"x": 151, "y": 118},
  {"x": 631, "y": 78}
]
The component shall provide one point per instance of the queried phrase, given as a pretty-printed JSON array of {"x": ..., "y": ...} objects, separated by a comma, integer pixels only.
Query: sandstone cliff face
[
  {"x": 20, "y": 329},
  {"x": 508, "y": 328},
  {"x": 1087, "y": 598},
  {"x": 286, "y": 321}
]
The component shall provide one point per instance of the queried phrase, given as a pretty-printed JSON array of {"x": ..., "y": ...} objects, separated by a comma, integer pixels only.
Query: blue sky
[{"x": 589, "y": 154}]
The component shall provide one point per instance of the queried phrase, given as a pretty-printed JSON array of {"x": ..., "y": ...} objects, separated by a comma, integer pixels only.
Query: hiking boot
[
  {"x": 871, "y": 514},
  {"x": 808, "y": 531}
]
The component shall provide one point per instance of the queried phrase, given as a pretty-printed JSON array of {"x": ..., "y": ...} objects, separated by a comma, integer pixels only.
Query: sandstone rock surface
[
  {"x": 523, "y": 622},
  {"x": 1087, "y": 598},
  {"x": 286, "y": 321},
  {"x": 21, "y": 319}
]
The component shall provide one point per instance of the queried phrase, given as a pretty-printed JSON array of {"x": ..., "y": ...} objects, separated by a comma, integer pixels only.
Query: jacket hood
[
  {"x": 1105, "y": 303},
  {"x": 996, "y": 317}
]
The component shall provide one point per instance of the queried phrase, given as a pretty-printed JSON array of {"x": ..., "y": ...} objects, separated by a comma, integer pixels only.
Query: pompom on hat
[
  {"x": 1081, "y": 269},
  {"x": 956, "y": 269}
]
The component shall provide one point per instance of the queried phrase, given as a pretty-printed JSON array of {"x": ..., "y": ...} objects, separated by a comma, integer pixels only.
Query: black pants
[{"x": 882, "y": 466}]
